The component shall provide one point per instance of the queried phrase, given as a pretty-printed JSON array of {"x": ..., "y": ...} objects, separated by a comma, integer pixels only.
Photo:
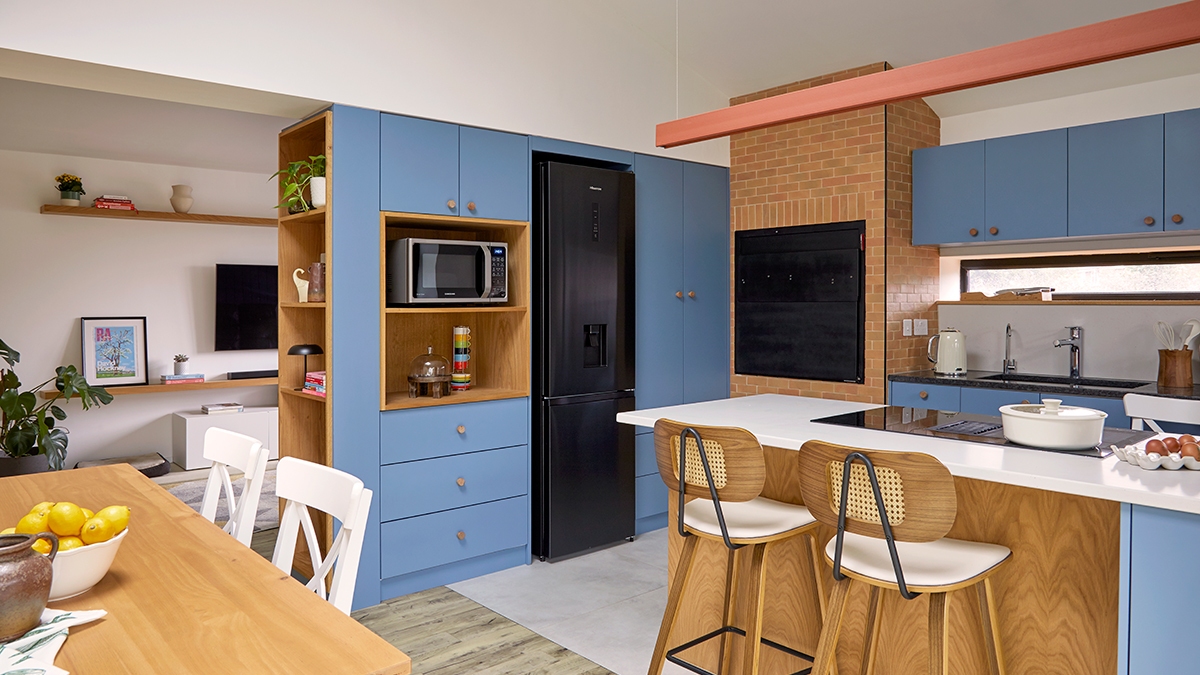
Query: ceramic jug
[
  {"x": 24, "y": 582},
  {"x": 951, "y": 352}
]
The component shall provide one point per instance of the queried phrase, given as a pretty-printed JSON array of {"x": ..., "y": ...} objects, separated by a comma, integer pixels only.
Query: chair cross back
[{"x": 225, "y": 449}]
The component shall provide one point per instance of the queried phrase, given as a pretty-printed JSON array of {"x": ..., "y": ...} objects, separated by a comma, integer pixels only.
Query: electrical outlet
[
  {"x": 908, "y": 328},
  {"x": 921, "y": 326}
]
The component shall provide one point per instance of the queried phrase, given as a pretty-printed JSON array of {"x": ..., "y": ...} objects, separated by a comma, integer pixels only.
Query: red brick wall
[{"x": 849, "y": 166}]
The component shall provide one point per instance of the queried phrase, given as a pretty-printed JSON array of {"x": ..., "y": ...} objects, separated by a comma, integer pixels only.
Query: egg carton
[{"x": 1138, "y": 456}]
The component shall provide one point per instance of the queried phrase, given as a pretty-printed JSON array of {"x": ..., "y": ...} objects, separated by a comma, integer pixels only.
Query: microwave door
[{"x": 447, "y": 272}]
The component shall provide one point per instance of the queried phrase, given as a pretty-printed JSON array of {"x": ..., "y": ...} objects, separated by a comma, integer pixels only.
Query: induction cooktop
[{"x": 985, "y": 429}]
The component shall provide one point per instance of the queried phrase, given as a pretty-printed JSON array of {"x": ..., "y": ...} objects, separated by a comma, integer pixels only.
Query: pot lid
[{"x": 1052, "y": 408}]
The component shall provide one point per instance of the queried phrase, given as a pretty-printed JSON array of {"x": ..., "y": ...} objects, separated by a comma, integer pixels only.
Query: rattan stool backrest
[{"x": 734, "y": 457}]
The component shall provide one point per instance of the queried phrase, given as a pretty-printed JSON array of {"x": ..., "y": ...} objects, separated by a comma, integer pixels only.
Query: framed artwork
[{"x": 114, "y": 350}]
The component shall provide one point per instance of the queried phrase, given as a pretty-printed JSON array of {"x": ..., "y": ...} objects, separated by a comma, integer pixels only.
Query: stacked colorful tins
[{"x": 460, "y": 377}]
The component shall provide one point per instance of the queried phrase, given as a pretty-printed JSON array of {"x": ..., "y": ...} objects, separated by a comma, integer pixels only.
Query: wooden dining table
[{"x": 184, "y": 597}]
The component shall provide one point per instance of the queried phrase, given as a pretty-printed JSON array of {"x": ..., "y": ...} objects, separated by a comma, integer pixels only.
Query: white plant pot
[
  {"x": 181, "y": 367},
  {"x": 181, "y": 198},
  {"x": 1053, "y": 426},
  {"x": 316, "y": 188}
]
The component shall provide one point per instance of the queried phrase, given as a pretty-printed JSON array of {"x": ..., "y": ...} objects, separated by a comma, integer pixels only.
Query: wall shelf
[
  {"x": 401, "y": 400},
  {"x": 202, "y": 218},
  {"x": 164, "y": 388}
]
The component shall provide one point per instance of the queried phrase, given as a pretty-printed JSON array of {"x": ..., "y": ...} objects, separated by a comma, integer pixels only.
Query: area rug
[{"x": 192, "y": 494}]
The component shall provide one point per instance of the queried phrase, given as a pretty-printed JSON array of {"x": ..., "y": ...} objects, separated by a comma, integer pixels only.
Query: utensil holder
[{"x": 1175, "y": 368}]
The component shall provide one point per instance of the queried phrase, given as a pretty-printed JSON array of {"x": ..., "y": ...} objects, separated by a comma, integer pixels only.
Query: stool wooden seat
[
  {"x": 724, "y": 472},
  {"x": 892, "y": 511}
]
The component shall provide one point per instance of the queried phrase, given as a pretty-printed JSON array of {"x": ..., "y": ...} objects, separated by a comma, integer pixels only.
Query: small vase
[
  {"x": 316, "y": 187},
  {"x": 69, "y": 198},
  {"x": 181, "y": 367},
  {"x": 316, "y": 282},
  {"x": 181, "y": 198}
]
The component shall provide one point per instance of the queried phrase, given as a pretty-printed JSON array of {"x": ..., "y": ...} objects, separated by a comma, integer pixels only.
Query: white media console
[{"x": 187, "y": 432}]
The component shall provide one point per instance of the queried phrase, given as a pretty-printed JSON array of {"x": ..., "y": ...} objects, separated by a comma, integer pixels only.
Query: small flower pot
[
  {"x": 69, "y": 198},
  {"x": 316, "y": 187},
  {"x": 181, "y": 367}
]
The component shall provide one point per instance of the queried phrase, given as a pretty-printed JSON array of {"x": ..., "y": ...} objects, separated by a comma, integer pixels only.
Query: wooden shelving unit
[
  {"x": 165, "y": 388},
  {"x": 500, "y": 334},
  {"x": 170, "y": 216}
]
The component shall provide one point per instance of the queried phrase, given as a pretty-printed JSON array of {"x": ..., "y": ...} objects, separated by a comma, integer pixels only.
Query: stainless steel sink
[{"x": 1020, "y": 378}]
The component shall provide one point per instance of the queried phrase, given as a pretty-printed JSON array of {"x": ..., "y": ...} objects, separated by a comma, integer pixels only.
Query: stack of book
[
  {"x": 193, "y": 378},
  {"x": 314, "y": 383},
  {"x": 118, "y": 202},
  {"x": 221, "y": 408}
]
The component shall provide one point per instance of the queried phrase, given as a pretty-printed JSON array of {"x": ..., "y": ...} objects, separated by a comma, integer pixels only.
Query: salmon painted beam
[{"x": 1152, "y": 31}]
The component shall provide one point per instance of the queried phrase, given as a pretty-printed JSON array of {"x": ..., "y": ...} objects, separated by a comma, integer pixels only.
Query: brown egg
[
  {"x": 1190, "y": 450},
  {"x": 1172, "y": 443},
  {"x": 1187, "y": 438},
  {"x": 1154, "y": 446}
]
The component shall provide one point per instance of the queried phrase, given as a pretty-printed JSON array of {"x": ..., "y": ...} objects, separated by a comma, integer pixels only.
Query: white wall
[
  {"x": 1118, "y": 340},
  {"x": 563, "y": 69},
  {"x": 54, "y": 270}
]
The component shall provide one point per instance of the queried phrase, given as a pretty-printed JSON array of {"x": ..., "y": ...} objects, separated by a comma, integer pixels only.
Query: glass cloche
[{"x": 429, "y": 365}]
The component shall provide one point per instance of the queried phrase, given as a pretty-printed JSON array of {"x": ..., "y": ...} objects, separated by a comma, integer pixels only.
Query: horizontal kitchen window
[{"x": 1135, "y": 276}]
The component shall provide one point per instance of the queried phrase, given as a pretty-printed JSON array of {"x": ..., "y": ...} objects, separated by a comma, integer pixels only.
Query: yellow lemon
[
  {"x": 87, "y": 513},
  {"x": 8, "y": 530},
  {"x": 32, "y": 523},
  {"x": 43, "y": 505},
  {"x": 68, "y": 543},
  {"x": 66, "y": 519},
  {"x": 41, "y": 546},
  {"x": 96, "y": 530},
  {"x": 117, "y": 515}
]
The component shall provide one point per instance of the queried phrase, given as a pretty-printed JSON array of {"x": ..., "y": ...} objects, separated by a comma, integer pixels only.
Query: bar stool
[
  {"x": 724, "y": 470},
  {"x": 896, "y": 507}
]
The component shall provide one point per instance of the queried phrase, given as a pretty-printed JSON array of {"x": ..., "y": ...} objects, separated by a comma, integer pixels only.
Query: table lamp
[{"x": 304, "y": 350}]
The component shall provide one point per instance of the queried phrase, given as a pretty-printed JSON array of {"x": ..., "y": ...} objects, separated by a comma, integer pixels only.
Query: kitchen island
[{"x": 1065, "y": 600}]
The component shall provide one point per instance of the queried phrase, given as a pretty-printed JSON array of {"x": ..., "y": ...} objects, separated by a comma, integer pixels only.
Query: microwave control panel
[{"x": 499, "y": 271}]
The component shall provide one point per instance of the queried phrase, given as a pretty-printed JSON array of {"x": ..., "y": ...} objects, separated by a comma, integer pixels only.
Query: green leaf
[
  {"x": 10, "y": 404},
  {"x": 53, "y": 444},
  {"x": 28, "y": 401},
  {"x": 59, "y": 413},
  {"x": 12, "y": 356},
  {"x": 21, "y": 440}
]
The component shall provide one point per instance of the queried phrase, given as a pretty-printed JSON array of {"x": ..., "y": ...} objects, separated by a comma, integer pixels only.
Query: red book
[
  {"x": 315, "y": 393},
  {"x": 118, "y": 207},
  {"x": 187, "y": 381}
]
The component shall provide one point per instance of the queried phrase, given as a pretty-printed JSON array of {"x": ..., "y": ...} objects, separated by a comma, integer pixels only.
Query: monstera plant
[{"x": 29, "y": 429}]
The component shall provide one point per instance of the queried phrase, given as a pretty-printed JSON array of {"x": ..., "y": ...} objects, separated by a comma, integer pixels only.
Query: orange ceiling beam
[{"x": 1151, "y": 31}]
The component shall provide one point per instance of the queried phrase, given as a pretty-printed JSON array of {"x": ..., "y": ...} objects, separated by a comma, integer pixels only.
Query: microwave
[{"x": 440, "y": 271}]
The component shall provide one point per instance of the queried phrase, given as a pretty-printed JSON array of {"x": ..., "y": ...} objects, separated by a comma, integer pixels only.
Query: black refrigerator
[{"x": 583, "y": 460}]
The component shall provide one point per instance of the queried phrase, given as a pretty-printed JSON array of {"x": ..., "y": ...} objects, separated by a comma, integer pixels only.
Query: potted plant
[
  {"x": 296, "y": 177},
  {"x": 181, "y": 364},
  {"x": 70, "y": 189},
  {"x": 29, "y": 435}
]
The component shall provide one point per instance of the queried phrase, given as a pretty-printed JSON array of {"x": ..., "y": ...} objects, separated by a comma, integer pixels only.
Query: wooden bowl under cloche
[{"x": 429, "y": 375}]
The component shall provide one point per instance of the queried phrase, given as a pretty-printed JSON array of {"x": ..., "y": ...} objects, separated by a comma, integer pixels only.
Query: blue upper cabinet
[
  {"x": 1181, "y": 193},
  {"x": 1115, "y": 179},
  {"x": 493, "y": 174},
  {"x": 658, "y": 269},
  {"x": 706, "y": 275},
  {"x": 1025, "y": 186},
  {"x": 418, "y": 166},
  {"x": 948, "y": 194}
]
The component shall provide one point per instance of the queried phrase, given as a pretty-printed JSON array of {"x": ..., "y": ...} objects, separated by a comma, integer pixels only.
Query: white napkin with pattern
[{"x": 33, "y": 653}]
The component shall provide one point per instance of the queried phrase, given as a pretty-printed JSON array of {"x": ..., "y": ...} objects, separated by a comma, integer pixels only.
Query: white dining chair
[
  {"x": 229, "y": 449},
  {"x": 337, "y": 493},
  {"x": 1142, "y": 408}
]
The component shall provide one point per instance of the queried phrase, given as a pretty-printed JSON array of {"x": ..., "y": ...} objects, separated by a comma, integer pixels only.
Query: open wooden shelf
[
  {"x": 453, "y": 310},
  {"x": 426, "y": 221},
  {"x": 399, "y": 400},
  {"x": 290, "y": 391},
  {"x": 302, "y": 305},
  {"x": 163, "y": 388},
  {"x": 311, "y": 216},
  {"x": 171, "y": 216}
]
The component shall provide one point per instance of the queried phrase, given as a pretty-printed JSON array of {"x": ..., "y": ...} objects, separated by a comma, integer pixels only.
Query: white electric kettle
[{"x": 951, "y": 352}]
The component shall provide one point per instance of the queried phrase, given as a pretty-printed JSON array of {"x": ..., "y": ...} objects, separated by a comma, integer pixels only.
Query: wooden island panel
[{"x": 1057, "y": 599}]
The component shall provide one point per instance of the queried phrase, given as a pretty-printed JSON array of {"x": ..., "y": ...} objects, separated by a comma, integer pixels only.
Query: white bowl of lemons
[
  {"x": 87, "y": 543},
  {"x": 78, "y": 569}
]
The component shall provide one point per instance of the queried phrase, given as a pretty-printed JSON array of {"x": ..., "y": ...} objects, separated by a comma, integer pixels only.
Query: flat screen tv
[{"x": 247, "y": 307}]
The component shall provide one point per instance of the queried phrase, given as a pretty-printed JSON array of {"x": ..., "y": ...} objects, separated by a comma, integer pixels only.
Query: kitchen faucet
[
  {"x": 1010, "y": 365},
  {"x": 1075, "y": 343}
]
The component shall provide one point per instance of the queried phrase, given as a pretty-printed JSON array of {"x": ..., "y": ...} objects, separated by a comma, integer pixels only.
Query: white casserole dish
[{"x": 1052, "y": 425}]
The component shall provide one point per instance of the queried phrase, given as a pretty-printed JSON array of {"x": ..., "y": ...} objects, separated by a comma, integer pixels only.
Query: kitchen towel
[{"x": 33, "y": 654}]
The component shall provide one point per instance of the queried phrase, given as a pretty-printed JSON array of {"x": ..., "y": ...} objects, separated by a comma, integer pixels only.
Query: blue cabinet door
[
  {"x": 948, "y": 194},
  {"x": 1181, "y": 170},
  {"x": 658, "y": 314},
  {"x": 928, "y": 396},
  {"x": 706, "y": 275},
  {"x": 418, "y": 166},
  {"x": 988, "y": 401},
  {"x": 1115, "y": 177},
  {"x": 1025, "y": 186},
  {"x": 493, "y": 174},
  {"x": 1115, "y": 407},
  {"x": 1164, "y": 548}
]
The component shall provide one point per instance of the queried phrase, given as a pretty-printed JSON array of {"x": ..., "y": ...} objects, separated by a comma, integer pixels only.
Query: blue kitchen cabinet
[
  {"x": 1115, "y": 407},
  {"x": 658, "y": 269},
  {"x": 988, "y": 401},
  {"x": 1025, "y": 186},
  {"x": 1164, "y": 605},
  {"x": 418, "y": 166},
  {"x": 1181, "y": 170},
  {"x": 493, "y": 174},
  {"x": 930, "y": 396},
  {"x": 948, "y": 194},
  {"x": 1115, "y": 177},
  {"x": 650, "y": 492},
  {"x": 706, "y": 277}
]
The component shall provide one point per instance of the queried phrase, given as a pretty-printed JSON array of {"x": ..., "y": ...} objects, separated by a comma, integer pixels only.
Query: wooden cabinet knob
[
  {"x": 974, "y": 232},
  {"x": 691, "y": 294},
  {"x": 1149, "y": 220},
  {"x": 994, "y": 231},
  {"x": 471, "y": 206},
  {"x": 924, "y": 394},
  {"x": 1025, "y": 401},
  {"x": 451, "y": 204},
  {"x": 1176, "y": 218},
  {"x": 462, "y": 429},
  {"x": 463, "y": 481},
  {"x": 679, "y": 294},
  {"x": 461, "y": 535}
]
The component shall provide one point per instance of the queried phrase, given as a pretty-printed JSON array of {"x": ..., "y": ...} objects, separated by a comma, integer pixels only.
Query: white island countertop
[{"x": 784, "y": 421}]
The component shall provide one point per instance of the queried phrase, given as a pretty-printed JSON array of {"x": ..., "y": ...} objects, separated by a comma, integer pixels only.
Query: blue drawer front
[
  {"x": 1115, "y": 408},
  {"x": 406, "y": 435},
  {"x": 988, "y": 401},
  {"x": 430, "y": 485},
  {"x": 937, "y": 397},
  {"x": 644, "y": 462},
  {"x": 651, "y": 496},
  {"x": 428, "y": 541}
]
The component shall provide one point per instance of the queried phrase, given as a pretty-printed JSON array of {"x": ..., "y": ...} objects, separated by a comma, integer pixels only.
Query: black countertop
[{"x": 1016, "y": 381}]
